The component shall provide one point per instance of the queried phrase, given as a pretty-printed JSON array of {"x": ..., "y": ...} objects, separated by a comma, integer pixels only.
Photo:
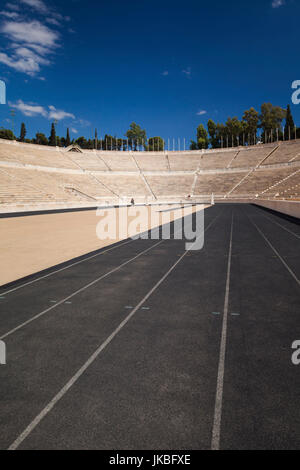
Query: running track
[{"x": 147, "y": 346}]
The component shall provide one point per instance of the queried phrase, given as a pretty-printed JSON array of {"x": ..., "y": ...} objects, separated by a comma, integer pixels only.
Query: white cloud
[
  {"x": 29, "y": 54},
  {"x": 29, "y": 109},
  {"x": 36, "y": 4},
  {"x": 10, "y": 14},
  {"x": 30, "y": 43},
  {"x": 39, "y": 49},
  {"x": 59, "y": 114},
  {"x": 165, "y": 73},
  {"x": 278, "y": 3},
  {"x": 201, "y": 112},
  {"x": 26, "y": 65},
  {"x": 32, "y": 32},
  {"x": 75, "y": 131},
  {"x": 33, "y": 110}
]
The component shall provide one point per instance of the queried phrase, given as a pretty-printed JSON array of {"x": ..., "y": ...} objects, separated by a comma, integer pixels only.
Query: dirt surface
[{"x": 33, "y": 243}]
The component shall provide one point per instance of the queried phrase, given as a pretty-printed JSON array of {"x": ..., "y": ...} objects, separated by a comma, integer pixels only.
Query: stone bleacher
[
  {"x": 217, "y": 159},
  {"x": 252, "y": 156},
  {"x": 286, "y": 152},
  {"x": 288, "y": 187},
  {"x": 219, "y": 184},
  {"x": 118, "y": 161},
  {"x": 32, "y": 175},
  {"x": 88, "y": 161},
  {"x": 170, "y": 185},
  {"x": 147, "y": 161},
  {"x": 124, "y": 185},
  {"x": 37, "y": 155},
  {"x": 184, "y": 161},
  {"x": 17, "y": 191},
  {"x": 261, "y": 180}
]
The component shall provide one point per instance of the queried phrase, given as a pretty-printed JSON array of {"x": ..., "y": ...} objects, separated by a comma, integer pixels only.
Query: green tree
[
  {"x": 156, "y": 144},
  {"x": 234, "y": 130},
  {"x": 81, "y": 142},
  {"x": 202, "y": 137},
  {"x": 91, "y": 144},
  {"x": 6, "y": 134},
  {"x": 289, "y": 128},
  {"x": 271, "y": 118},
  {"x": 40, "y": 139},
  {"x": 213, "y": 134},
  {"x": 22, "y": 132},
  {"x": 136, "y": 136},
  {"x": 52, "y": 138},
  {"x": 68, "y": 140},
  {"x": 250, "y": 122},
  {"x": 109, "y": 142}
]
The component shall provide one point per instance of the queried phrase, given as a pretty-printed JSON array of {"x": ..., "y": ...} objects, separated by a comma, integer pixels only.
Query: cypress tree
[
  {"x": 23, "y": 132},
  {"x": 289, "y": 129},
  {"x": 52, "y": 138},
  {"x": 68, "y": 140}
]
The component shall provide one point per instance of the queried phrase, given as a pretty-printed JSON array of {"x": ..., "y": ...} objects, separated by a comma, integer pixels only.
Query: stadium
[
  {"x": 170, "y": 297},
  {"x": 119, "y": 331}
]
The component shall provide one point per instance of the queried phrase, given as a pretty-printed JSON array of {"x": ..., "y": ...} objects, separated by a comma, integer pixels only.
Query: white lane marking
[
  {"x": 92, "y": 358},
  {"x": 216, "y": 432},
  {"x": 66, "y": 267},
  {"x": 57, "y": 304},
  {"x": 275, "y": 251},
  {"x": 282, "y": 226},
  {"x": 69, "y": 266}
]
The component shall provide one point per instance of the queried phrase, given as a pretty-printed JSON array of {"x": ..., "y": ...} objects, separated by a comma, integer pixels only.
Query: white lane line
[
  {"x": 92, "y": 358},
  {"x": 276, "y": 252},
  {"x": 63, "y": 269},
  {"x": 69, "y": 266},
  {"x": 35, "y": 317},
  {"x": 282, "y": 226},
  {"x": 216, "y": 432},
  {"x": 57, "y": 304}
]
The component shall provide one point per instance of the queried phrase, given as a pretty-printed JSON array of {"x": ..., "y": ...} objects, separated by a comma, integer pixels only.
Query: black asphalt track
[{"x": 153, "y": 385}]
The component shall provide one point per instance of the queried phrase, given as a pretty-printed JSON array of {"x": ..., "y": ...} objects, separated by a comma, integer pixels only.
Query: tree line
[
  {"x": 135, "y": 139},
  {"x": 237, "y": 132},
  {"x": 233, "y": 133}
]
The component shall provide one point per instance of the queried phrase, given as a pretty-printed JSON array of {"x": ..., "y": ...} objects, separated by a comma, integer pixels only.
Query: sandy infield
[{"x": 33, "y": 243}]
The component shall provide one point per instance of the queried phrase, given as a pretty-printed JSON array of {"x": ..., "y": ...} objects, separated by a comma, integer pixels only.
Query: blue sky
[{"x": 167, "y": 65}]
